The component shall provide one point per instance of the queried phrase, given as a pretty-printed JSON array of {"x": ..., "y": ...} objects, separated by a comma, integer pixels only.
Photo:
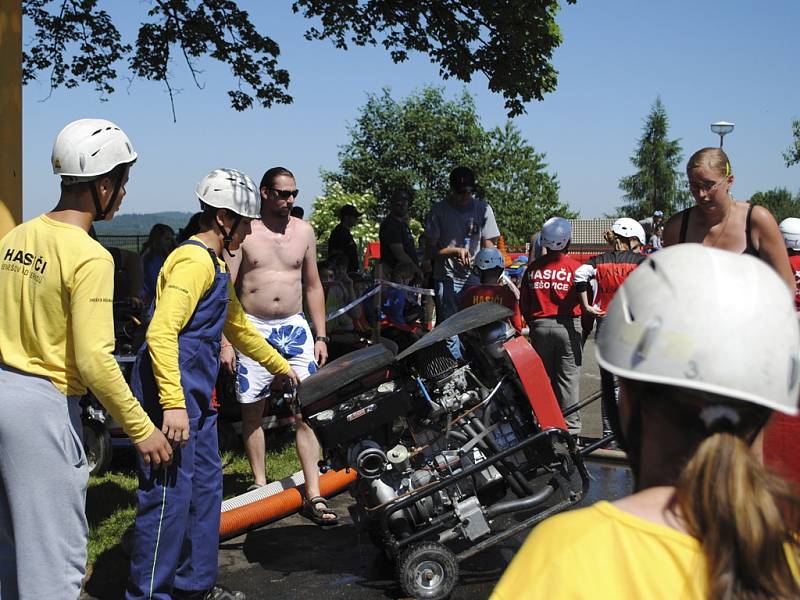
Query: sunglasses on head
[{"x": 285, "y": 194}]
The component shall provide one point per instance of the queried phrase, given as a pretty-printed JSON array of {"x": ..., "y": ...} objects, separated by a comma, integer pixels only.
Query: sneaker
[{"x": 219, "y": 592}]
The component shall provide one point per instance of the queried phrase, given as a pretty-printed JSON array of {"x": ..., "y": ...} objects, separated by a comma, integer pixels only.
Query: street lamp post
[{"x": 722, "y": 128}]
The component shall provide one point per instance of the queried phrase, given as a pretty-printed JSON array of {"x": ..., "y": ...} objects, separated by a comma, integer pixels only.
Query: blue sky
[{"x": 731, "y": 60}]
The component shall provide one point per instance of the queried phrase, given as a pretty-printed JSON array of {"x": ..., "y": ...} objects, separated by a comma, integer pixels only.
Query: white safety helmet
[
  {"x": 674, "y": 321},
  {"x": 628, "y": 228},
  {"x": 231, "y": 189},
  {"x": 88, "y": 148},
  {"x": 790, "y": 228},
  {"x": 556, "y": 233},
  {"x": 489, "y": 258}
]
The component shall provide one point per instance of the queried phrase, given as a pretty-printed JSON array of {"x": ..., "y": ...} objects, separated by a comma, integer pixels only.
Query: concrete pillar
[{"x": 10, "y": 114}]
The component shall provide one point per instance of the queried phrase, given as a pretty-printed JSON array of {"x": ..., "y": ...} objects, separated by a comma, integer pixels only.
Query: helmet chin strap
[
  {"x": 630, "y": 442},
  {"x": 227, "y": 236},
  {"x": 100, "y": 212}
]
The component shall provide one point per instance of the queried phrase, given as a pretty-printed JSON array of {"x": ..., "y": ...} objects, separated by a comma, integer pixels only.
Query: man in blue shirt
[{"x": 456, "y": 229}]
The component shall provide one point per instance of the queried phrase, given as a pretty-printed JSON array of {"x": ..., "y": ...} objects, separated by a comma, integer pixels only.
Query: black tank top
[{"x": 749, "y": 248}]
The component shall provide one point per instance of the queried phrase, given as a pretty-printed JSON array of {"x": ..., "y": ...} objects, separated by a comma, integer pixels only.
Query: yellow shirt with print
[
  {"x": 56, "y": 315},
  {"x": 186, "y": 276},
  {"x": 603, "y": 552}
]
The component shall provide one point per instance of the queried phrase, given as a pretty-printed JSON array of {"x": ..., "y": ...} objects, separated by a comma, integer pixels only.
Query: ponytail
[
  {"x": 732, "y": 505},
  {"x": 744, "y": 517}
]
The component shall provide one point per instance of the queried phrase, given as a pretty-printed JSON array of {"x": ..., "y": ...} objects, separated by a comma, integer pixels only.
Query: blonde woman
[{"x": 719, "y": 221}]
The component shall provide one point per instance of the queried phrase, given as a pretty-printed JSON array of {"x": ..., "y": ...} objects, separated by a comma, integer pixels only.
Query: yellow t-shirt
[
  {"x": 186, "y": 276},
  {"x": 603, "y": 552},
  {"x": 56, "y": 311}
]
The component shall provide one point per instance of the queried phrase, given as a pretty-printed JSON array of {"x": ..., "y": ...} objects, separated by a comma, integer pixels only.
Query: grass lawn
[{"x": 111, "y": 498}]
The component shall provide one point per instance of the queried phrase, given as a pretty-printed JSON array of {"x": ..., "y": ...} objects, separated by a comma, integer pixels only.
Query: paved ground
[{"x": 294, "y": 559}]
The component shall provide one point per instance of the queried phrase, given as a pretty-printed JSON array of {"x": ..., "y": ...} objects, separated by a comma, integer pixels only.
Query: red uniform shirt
[
  {"x": 609, "y": 270},
  {"x": 794, "y": 261},
  {"x": 548, "y": 287},
  {"x": 475, "y": 294}
]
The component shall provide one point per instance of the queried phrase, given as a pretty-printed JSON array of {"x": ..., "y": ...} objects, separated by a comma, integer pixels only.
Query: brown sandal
[{"x": 311, "y": 511}]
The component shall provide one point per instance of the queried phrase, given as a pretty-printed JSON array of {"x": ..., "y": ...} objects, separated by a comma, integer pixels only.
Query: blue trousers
[
  {"x": 448, "y": 296},
  {"x": 178, "y": 518}
]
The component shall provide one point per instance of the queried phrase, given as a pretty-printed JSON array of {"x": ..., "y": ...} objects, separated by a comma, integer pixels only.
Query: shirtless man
[{"x": 275, "y": 266}]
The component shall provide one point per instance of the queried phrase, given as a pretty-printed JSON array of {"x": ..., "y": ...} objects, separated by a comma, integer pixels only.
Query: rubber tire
[
  {"x": 410, "y": 560},
  {"x": 97, "y": 446}
]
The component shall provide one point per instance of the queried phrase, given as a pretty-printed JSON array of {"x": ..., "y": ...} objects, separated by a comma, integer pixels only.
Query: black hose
[
  {"x": 533, "y": 501},
  {"x": 516, "y": 480},
  {"x": 503, "y": 470},
  {"x": 461, "y": 437},
  {"x": 515, "y": 472}
]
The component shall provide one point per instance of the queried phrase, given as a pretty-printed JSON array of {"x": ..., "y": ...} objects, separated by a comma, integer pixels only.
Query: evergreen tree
[
  {"x": 792, "y": 154},
  {"x": 659, "y": 182}
]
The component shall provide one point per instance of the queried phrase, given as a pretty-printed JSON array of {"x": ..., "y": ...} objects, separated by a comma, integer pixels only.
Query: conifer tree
[
  {"x": 659, "y": 182},
  {"x": 792, "y": 154}
]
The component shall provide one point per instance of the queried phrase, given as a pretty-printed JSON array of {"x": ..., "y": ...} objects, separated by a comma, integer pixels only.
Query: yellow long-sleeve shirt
[
  {"x": 186, "y": 276},
  {"x": 56, "y": 316},
  {"x": 604, "y": 552}
]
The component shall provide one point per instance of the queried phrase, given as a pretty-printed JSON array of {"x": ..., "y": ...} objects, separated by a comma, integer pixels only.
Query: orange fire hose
[{"x": 239, "y": 520}]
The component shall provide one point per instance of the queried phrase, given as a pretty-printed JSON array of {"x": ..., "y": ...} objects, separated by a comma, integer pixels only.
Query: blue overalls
[{"x": 177, "y": 521}]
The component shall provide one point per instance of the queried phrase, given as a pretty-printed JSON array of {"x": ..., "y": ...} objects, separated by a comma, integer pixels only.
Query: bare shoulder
[
  {"x": 303, "y": 227},
  {"x": 761, "y": 217},
  {"x": 672, "y": 229}
]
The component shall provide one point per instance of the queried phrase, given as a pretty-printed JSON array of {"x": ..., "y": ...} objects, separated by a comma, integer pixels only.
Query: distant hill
[{"x": 140, "y": 224}]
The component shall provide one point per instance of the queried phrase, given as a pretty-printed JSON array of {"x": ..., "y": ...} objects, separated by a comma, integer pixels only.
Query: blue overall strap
[
  {"x": 204, "y": 247},
  {"x": 148, "y": 316}
]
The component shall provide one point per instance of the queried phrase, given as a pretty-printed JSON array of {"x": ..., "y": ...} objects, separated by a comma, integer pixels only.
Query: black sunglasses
[{"x": 285, "y": 194}]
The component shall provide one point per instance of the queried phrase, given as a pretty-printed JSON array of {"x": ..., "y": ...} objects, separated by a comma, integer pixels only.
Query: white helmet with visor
[
  {"x": 489, "y": 258},
  {"x": 234, "y": 191},
  {"x": 628, "y": 228},
  {"x": 556, "y": 233},
  {"x": 790, "y": 228},
  {"x": 674, "y": 321},
  {"x": 87, "y": 149}
]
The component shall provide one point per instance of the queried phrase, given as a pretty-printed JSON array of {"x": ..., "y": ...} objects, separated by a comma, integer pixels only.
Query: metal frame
[
  {"x": 441, "y": 522},
  {"x": 598, "y": 395}
]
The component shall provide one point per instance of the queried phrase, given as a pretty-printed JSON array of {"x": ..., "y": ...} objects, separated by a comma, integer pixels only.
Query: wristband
[{"x": 322, "y": 338}]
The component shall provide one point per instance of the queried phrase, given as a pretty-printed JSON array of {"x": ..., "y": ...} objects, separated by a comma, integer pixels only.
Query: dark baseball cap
[
  {"x": 348, "y": 210},
  {"x": 401, "y": 195},
  {"x": 462, "y": 179}
]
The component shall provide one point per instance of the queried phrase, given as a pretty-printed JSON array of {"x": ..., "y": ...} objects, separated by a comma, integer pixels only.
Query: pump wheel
[
  {"x": 97, "y": 445},
  {"x": 427, "y": 570}
]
